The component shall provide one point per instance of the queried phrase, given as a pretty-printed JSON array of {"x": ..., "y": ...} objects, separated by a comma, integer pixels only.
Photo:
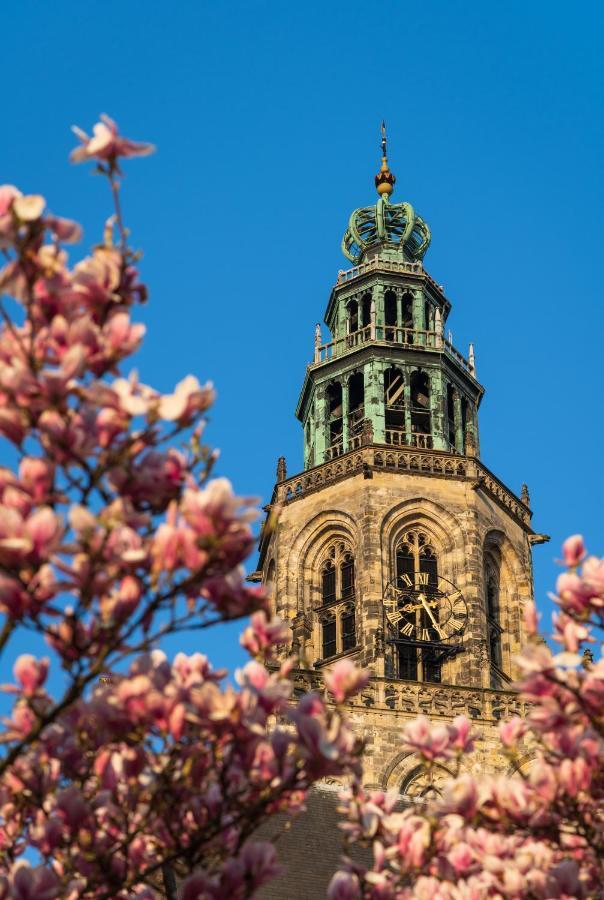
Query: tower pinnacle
[
  {"x": 385, "y": 179},
  {"x": 393, "y": 230}
]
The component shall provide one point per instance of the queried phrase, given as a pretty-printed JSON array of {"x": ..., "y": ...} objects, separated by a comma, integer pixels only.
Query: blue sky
[{"x": 266, "y": 116}]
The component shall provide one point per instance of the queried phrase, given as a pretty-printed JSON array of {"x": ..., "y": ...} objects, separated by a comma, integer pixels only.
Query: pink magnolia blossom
[
  {"x": 263, "y": 634},
  {"x": 573, "y": 550},
  {"x": 344, "y": 886},
  {"x": 28, "y": 208},
  {"x": 31, "y": 673},
  {"x": 344, "y": 680},
  {"x": 107, "y": 144},
  {"x": 189, "y": 398}
]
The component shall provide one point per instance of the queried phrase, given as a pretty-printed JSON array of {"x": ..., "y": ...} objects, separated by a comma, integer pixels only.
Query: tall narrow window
[
  {"x": 349, "y": 639},
  {"x": 328, "y": 587},
  {"x": 337, "y": 587},
  {"x": 335, "y": 421},
  {"x": 356, "y": 409},
  {"x": 421, "y": 428},
  {"x": 390, "y": 315},
  {"x": 394, "y": 406},
  {"x": 407, "y": 318},
  {"x": 366, "y": 311},
  {"x": 493, "y": 628},
  {"x": 347, "y": 576},
  {"x": 329, "y": 638},
  {"x": 451, "y": 416},
  {"x": 416, "y": 559},
  {"x": 464, "y": 423}
]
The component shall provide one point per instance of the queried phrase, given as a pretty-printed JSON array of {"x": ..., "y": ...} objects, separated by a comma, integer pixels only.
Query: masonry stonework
[{"x": 396, "y": 546}]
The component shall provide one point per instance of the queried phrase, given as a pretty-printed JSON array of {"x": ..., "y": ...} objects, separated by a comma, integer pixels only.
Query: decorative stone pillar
[
  {"x": 281, "y": 469},
  {"x": 320, "y": 424},
  {"x": 459, "y": 436},
  {"x": 374, "y": 398},
  {"x": 418, "y": 316},
  {"x": 378, "y": 292},
  {"x": 317, "y": 342},
  {"x": 438, "y": 328},
  {"x": 437, "y": 408},
  {"x": 344, "y": 382},
  {"x": 473, "y": 445},
  {"x": 407, "y": 397}
]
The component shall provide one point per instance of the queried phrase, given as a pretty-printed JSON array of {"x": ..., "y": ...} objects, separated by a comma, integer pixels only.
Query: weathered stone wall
[{"x": 463, "y": 521}]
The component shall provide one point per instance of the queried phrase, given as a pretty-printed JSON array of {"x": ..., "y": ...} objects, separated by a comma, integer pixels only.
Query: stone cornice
[{"x": 399, "y": 461}]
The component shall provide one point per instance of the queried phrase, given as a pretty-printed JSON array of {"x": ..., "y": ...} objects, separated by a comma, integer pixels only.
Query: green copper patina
[
  {"x": 392, "y": 228},
  {"x": 387, "y": 375}
]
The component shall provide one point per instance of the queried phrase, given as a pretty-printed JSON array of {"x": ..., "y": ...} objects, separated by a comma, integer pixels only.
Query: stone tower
[{"x": 396, "y": 546}]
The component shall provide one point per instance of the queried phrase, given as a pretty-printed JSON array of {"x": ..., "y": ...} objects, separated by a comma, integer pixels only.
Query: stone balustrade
[
  {"x": 433, "y": 700},
  {"x": 384, "y": 265},
  {"x": 388, "y": 335}
]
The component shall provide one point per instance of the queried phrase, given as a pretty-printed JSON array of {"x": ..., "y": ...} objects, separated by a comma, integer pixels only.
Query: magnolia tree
[
  {"x": 112, "y": 536},
  {"x": 537, "y": 834}
]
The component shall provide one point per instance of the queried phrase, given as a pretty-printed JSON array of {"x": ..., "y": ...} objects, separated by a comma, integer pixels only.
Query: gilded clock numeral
[
  {"x": 425, "y": 634},
  {"x": 422, "y": 578},
  {"x": 407, "y": 629},
  {"x": 406, "y": 579}
]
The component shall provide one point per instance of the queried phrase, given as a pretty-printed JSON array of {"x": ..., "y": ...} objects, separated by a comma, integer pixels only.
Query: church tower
[{"x": 396, "y": 546}]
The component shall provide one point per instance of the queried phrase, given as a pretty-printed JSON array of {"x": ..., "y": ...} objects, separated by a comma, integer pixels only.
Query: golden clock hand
[{"x": 429, "y": 611}]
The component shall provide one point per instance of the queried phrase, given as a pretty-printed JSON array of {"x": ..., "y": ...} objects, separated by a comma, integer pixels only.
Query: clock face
[{"x": 420, "y": 610}]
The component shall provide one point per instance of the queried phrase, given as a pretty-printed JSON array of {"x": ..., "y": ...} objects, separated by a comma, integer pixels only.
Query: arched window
[
  {"x": 422, "y": 785},
  {"x": 328, "y": 582},
  {"x": 394, "y": 406},
  {"x": 353, "y": 321},
  {"x": 349, "y": 638},
  {"x": 494, "y": 630},
  {"x": 464, "y": 423},
  {"x": 335, "y": 421},
  {"x": 269, "y": 584},
  {"x": 347, "y": 576},
  {"x": 390, "y": 315},
  {"x": 356, "y": 409},
  {"x": 338, "y": 623},
  {"x": 407, "y": 318},
  {"x": 329, "y": 635},
  {"x": 421, "y": 427},
  {"x": 451, "y": 416},
  {"x": 417, "y": 569},
  {"x": 366, "y": 311}
]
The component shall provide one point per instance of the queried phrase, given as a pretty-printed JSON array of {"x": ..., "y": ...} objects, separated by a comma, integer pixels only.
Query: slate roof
[{"x": 309, "y": 850}]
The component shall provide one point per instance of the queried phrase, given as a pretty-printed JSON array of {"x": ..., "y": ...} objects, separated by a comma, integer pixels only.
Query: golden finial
[{"x": 384, "y": 180}]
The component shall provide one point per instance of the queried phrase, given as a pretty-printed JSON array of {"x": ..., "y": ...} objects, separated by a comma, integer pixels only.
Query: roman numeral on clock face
[
  {"x": 425, "y": 634},
  {"x": 421, "y": 578},
  {"x": 406, "y": 579},
  {"x": 407, "y": 629}
]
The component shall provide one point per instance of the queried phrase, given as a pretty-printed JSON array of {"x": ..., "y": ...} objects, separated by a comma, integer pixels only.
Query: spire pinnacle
[{"x": 384, "y": 180}]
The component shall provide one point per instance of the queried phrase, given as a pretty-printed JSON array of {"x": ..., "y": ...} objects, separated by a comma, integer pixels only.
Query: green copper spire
[{"x": 392, "y": 229}]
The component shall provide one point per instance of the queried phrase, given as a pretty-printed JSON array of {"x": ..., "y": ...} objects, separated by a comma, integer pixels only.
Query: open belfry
[{"x": 396, "y": 546}]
